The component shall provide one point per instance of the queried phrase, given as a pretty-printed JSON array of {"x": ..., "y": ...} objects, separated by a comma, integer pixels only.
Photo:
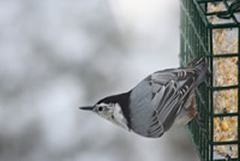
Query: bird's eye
[{"x": 100, "y": 108}]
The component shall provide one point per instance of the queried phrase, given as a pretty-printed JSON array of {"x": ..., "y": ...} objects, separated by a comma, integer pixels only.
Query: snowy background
[{"x": 58, "y": 55}]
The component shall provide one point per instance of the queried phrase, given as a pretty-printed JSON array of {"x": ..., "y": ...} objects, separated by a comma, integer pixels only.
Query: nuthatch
[{"x": 160, "y": 100}]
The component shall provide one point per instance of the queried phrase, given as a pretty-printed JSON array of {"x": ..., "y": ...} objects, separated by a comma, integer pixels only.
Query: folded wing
[{"x": 159, "y": 98}]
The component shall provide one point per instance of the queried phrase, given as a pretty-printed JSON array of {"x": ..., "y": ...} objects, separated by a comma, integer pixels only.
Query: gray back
[{"x": 158, "y": 99}]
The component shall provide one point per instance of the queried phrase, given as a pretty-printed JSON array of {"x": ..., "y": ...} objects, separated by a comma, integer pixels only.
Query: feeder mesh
[{"x": 210, "y": 29}]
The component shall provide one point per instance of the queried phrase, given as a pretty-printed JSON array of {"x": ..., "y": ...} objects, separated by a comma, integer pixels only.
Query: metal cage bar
[{"x": 196, "y": 39}]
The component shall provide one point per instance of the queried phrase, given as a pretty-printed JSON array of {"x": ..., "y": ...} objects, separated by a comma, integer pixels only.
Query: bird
[{"x": 161, "y": 100}]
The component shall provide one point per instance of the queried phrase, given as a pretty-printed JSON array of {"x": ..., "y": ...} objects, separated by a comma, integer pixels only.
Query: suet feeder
[{"x": 211, "y": 29}]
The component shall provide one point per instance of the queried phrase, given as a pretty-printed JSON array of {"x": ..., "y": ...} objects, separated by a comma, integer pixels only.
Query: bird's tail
[{"x": 202, "y": 67}]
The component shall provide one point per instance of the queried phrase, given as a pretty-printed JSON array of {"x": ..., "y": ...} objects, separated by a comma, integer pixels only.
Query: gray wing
[{"x": 158, "y": 99}]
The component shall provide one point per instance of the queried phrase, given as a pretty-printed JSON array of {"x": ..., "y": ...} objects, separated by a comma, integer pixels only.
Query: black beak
[{"x": 89, "y": 108}]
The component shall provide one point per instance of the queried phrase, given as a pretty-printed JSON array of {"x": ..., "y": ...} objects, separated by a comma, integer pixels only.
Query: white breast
[{"x": 117, "y": 116}]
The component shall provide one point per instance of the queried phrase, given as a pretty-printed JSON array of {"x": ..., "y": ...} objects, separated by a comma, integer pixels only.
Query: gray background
[{"x": 58, "y": 55}]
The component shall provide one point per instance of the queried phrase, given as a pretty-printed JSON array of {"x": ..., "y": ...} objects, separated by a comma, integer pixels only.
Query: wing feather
[{"x": 158, "y": 100}]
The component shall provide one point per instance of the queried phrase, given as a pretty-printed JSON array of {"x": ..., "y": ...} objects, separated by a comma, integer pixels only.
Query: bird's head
[{"x": 110, "y": 108}]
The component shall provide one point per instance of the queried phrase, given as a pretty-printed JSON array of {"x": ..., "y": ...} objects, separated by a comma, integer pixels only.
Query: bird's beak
[{"x": 89, "y": 108}]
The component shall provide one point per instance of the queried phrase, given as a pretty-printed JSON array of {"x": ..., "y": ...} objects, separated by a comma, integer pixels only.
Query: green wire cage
[{"x": 211, "y": 29}]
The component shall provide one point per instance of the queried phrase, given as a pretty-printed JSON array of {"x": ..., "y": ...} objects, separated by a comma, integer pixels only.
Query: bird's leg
[
  {"x": 198, "y": 117},
  {"x": 200, "y": 122},
  {"x": 192, "y": 110}
]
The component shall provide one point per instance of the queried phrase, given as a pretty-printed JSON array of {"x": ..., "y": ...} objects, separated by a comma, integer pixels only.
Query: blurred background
[{"x": 58, "y": 55}]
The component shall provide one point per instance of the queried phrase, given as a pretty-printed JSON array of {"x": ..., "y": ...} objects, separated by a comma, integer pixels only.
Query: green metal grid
[{"x": 196, "y": 39}]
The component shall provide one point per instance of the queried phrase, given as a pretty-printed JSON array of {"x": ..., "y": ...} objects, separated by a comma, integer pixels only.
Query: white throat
[{"x": 117, "y": 116}]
